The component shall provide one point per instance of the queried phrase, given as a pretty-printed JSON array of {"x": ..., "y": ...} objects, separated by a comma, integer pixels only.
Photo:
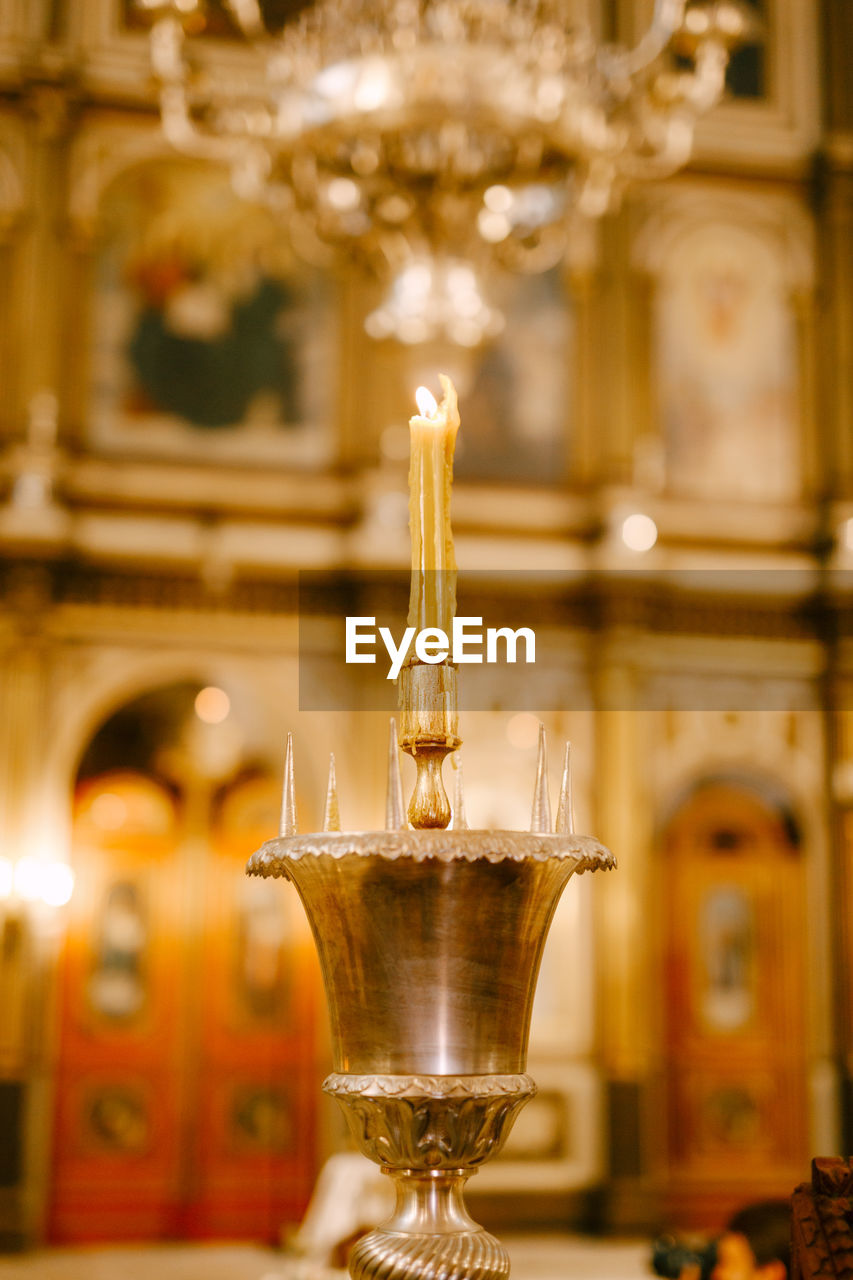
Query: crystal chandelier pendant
[
  {"x": 424, "y": 138},
  {"x": 435, "y": 299}
]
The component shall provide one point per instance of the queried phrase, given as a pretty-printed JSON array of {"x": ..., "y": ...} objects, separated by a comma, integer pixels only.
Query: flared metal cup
[{"x": 430, "y": 943}]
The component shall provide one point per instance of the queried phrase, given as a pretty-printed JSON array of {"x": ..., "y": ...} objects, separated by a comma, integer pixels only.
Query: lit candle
[{"x": 432, "y": 601}]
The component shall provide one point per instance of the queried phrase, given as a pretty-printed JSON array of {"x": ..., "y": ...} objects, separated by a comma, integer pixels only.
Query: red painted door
[
  {"x": 187, "y": 1072},
  {"x": 736, "y": 1125}
]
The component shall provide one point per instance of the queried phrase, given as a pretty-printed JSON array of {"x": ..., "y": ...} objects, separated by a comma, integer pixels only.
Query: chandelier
[{"x": 430, "y": 140}]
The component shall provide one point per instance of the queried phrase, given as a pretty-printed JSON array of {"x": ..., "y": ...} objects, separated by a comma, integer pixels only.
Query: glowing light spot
[
  {"x": 522, "y": 731},
  {"x": 7, "y": 875},
  {"x": 212, "y": 705},
  {"x": 342, "y": 193},
  {"x": 493, "y": 227},
  {"x": 28, "y": 879},
  {"x": 57, "y": 884},
  {"x": 373, "y": 88},
  {"x": 498, "y": 199},
  {"x": 426, "y": 402},
  {"x": 639, "y": 532}
]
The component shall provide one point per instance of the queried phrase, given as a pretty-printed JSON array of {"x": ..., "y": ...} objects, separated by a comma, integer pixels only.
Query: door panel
[
  {"x": 116, "y": 1151},
  {"x": 257, "y": 1094},
  {"x": 187, "y": 1075},
  {"x": 735, "y": 1066}
]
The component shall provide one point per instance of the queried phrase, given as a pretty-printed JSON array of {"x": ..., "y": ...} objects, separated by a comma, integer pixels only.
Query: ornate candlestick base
[
  {"x": 430, "y": 1133},
  {"x": 430, "y": 942}
]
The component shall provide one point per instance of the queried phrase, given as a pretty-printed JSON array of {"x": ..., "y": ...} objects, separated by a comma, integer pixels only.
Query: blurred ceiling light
[
  {"x": 497, "y": 199},
  {"x": 433, "y": 299},
  {"x": 639, "y": 532},
  {"x": 28, "y": 879},
  {"x": 409, "y": 130},
  {"x": 57, "y": 884},
  {"x": 37, "y": 880},
  {"x": 343, "y": 193},
  {"x": 212, "y": 705}
]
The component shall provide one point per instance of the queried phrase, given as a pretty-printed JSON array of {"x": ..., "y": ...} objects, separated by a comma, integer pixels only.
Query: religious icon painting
[
  {"x": 209, "y": 340},
  {"x": 518, "y": 393},
  {"x": 726, "y": 368},
  {"x": 728, "y": 946},
  {"x": 117, "y": 985},
  {"x": 747, "y": 72}
]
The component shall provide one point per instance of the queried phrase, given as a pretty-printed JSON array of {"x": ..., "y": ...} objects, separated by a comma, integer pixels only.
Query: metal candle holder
[{"x": 430, "y": 941}]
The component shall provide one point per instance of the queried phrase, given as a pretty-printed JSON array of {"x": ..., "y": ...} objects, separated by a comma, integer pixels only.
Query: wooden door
[
  {"x": 117, "y": 1127},
  {"x": 258, "y": 1088},
  {"x": 187, "y": 1075},
  {"x": 736, "y": 1123}
]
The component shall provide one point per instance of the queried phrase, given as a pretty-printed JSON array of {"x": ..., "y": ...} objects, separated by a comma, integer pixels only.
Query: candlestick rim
[
  {"x": 438, "y": 845},
  {"x": 341, "y": 1084}
]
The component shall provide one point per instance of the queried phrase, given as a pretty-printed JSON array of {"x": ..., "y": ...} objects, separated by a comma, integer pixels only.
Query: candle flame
[{"x": 426, "y": 401}]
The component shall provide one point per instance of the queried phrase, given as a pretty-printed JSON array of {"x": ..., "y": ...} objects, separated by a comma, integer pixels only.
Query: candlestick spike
[
  {"x": 459, "y": 821},
  {"x": 287, "y": 825},
  {"x": 395, "y": 809},
  {"x": 565, "y": 817},
  {"x": 540, "y": 818},
  {"x": 331, "y": 812}
]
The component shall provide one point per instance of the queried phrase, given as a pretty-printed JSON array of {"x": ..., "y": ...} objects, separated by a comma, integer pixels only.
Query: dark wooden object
[{"x": 822, "y": 1222}]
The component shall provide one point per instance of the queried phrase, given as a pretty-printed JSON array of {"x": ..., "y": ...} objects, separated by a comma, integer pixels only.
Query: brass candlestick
[
  {"x": 430, "y": 939},
  {"x": 430, "y": 942}
]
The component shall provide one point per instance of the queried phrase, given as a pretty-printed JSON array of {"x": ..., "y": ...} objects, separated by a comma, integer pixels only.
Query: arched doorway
[
  {"x": 188, "y": 1055},
  {"x": 735, "y": 987}
]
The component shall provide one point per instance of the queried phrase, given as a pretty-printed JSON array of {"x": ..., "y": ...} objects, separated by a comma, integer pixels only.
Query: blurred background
[{"x": 190, "y": 414}]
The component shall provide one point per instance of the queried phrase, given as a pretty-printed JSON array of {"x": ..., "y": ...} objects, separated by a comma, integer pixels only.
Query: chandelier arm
[
  {"x": 619, "y": 64},
  {"x": 248, "y": 16},
  {"x": 180, "y": 130},
  {"x": 671, "y": 150},
  {"x": 709, "y": 75},
  {"x": 547, "y": 251}
]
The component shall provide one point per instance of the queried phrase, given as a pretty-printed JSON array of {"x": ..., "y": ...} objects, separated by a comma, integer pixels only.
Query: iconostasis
[{"x": 193, "y": 412}]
